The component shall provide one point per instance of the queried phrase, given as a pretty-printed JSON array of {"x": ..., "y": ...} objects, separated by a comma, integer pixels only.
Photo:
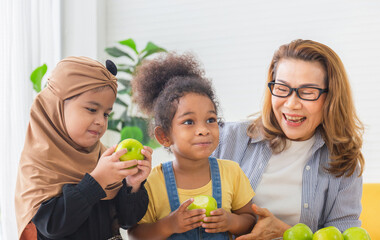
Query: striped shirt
[{"x": 326, "y": 200}]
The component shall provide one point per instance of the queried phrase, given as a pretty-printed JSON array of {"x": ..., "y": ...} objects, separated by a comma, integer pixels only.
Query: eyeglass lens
[{"x": 306, "y": 93}]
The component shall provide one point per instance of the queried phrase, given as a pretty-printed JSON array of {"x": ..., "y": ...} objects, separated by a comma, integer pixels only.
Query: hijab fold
[{"x": 50, "y": 158}]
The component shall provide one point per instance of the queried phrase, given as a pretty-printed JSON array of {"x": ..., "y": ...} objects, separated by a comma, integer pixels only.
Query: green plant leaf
[
  {"x": 131, "y": 132},
  {"x": 123, "y": 65},
  {"x": 150, "y": 49},
  {"x": 113, "y": 123},
  {"x": 125, "y": 118},
  {"x": 129, "y": 43},
  {"x": 115, "y": 52},
  {"x": 125, "y": 91},
  {"x": 121, "y": 102},
  {"x": 126, "y": 68},
  {"x": 126, "y": 83},
  {"x": 36, "y": 77}
]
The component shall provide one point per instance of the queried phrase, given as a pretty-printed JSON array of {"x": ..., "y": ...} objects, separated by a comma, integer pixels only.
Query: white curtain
[{"x": 30, "y": 36}]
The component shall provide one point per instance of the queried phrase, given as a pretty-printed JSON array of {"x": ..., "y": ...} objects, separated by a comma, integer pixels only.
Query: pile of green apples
[{"x": 301, "y": 231}]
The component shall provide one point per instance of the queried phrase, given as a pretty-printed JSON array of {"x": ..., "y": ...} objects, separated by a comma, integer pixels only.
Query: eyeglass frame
[{"x": 321, "y": 91}]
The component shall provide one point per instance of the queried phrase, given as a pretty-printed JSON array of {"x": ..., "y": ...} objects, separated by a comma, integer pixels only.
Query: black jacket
[{"x": 79, "y": 212}]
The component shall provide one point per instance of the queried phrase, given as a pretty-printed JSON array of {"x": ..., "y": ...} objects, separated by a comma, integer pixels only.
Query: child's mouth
[{"x": 93, "y": 132}]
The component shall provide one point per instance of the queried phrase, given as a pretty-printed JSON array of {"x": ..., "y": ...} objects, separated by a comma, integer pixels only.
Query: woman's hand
[
  {"x": 267, "y": 227},
  {"x": 144, "y": 167},
  {"x": 219, "y": 221}
]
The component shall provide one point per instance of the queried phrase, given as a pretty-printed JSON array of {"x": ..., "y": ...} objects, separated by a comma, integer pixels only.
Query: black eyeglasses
[{"x": 304, "y": 93}]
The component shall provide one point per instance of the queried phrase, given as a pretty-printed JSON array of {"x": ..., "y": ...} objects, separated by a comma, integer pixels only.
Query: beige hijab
[{"x": 50, "y": 158}]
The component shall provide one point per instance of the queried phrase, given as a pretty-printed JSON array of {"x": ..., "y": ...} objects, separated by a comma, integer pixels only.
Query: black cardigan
[{"x": 79, "y": 212}]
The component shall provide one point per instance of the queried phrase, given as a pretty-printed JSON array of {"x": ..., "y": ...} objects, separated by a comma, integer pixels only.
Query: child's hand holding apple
[
  {"x": 216, "y": 220},
  {"x": 143, "y": 155},
  {"x": 110, "y": 170},
  {"x": 219, "y": 221},
  {"x": 183, "y": 219}
]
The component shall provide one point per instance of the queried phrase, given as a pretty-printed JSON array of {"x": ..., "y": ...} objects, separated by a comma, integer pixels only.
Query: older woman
[{"x": 302, "y": 154}]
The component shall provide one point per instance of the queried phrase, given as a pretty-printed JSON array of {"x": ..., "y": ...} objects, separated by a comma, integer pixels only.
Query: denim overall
[{"x": 171, "y": 187}]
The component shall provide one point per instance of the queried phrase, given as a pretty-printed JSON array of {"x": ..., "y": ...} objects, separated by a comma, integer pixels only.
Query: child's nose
[
  {"x": 203, "y": 130},
  {"x": 100, "y": 120}
]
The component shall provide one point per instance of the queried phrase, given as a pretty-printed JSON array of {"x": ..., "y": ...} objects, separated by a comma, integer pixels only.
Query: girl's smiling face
[
  {"x": 299, "y": 118},
  {"x": 194, "y": 133},
  {"x": 86, "y": 116}
]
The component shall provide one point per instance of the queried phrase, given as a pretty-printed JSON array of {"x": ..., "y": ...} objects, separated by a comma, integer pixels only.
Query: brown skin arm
[
  {"x": 238, "y": 222},
  {"x": 178, "y": 221},
  {"x": 154, "y": 231},
  {"x": 267, "y": 227}
]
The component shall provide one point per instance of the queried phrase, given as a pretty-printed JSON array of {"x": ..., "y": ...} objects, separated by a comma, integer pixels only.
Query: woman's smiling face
[{"x": 299, "y": 118}]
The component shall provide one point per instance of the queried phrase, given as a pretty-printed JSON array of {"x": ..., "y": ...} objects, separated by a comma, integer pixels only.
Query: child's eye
[
  {"x": 106, "y": 115},
  {"x": 211, "y": 120},
  {"x": 188, "y": 122},
  {"x": 91, "y": 110}
]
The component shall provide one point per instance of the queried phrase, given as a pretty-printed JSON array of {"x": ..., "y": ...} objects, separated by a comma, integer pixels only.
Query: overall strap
[
  {"x": 216, "y": 181},
  {"x": 171, "y": 186}
]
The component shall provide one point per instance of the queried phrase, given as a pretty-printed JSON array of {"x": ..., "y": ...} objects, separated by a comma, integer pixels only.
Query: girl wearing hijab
[{"x": 69, "y": 186}]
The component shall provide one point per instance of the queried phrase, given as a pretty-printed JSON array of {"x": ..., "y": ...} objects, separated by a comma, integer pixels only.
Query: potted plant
[{"x": 129, "y": 123}]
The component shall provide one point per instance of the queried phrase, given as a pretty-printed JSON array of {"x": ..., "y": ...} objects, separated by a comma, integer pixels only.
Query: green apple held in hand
[
  {"x": 299, "y": 231},
  {"x": 328, "y": 233},
  {"x": 204, "y": 202},
  {"x": 356, "y": 233},
  {"x": 134, "y": 148}
]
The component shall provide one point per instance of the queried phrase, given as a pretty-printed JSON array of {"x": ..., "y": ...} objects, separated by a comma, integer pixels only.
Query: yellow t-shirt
[{"x": 236, "y": 191}]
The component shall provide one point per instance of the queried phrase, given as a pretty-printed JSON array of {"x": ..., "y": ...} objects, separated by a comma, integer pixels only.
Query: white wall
[
  {"x": 82, "y": 28},
  {"x": 235, "y": 41}
]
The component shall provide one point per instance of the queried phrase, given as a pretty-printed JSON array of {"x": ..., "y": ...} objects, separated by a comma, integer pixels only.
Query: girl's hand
[
  {"x": 267, "y": 226},
  {"x": 219, "y": 221},
  {"x": 109, "y": 168},
  {"x": 144, "y": 167},
  {"x": 183, "y": 220}
]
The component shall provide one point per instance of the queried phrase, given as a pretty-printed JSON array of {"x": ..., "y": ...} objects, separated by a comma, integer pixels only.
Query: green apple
[
  {"x": 134, "y": 148},
  {"x": 356, "y": 233},
  {"x": 299, "y": 231},
  {"x": 328, "y": 233},
  {"x": 204, "y": 202}
]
